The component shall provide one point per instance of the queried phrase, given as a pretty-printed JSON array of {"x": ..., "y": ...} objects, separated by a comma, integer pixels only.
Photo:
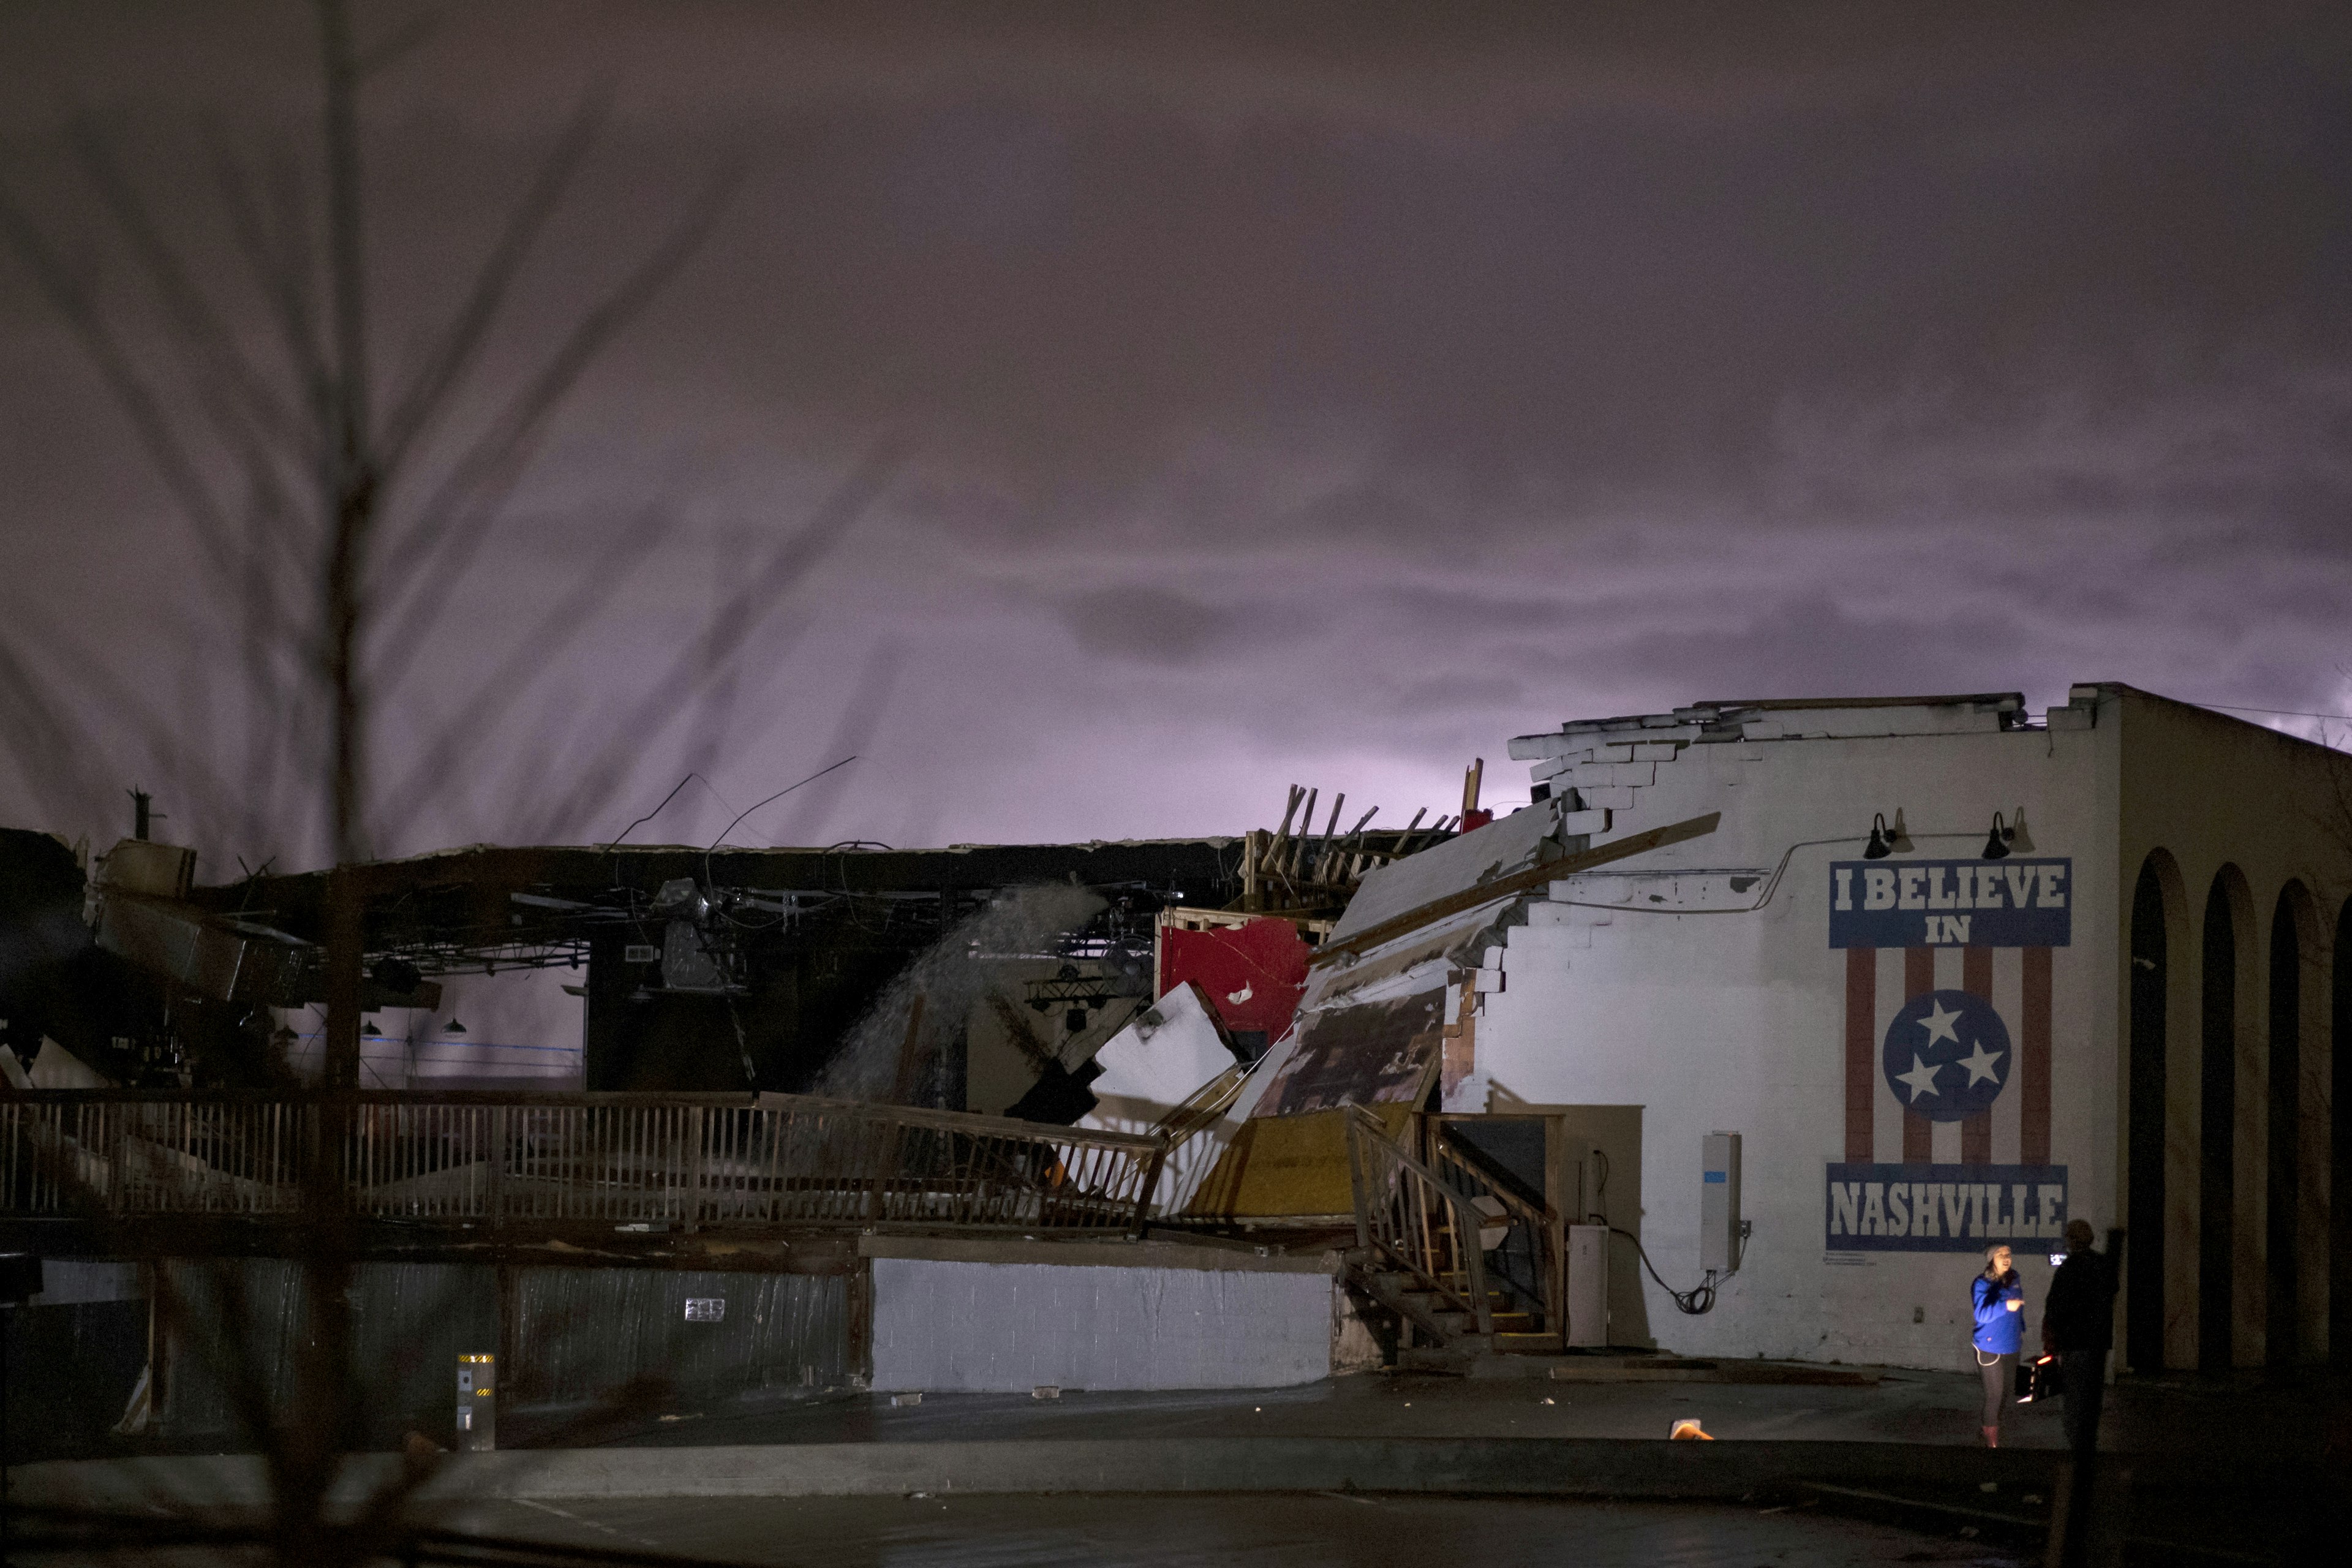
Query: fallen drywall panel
[
  {"x": 1165, "y": 1053},
  {"x": 1374, "y": 1053},
  {"x": 1152, "y": 1067},
  {"x": 1525, "y": 838},
  {"x": 54, "y": 1067}
]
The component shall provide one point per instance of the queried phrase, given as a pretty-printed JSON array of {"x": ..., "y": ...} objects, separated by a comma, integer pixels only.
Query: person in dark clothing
[
  {"x": 2078, "y": 1325},
  {"x": 2000, "y": 1304}
]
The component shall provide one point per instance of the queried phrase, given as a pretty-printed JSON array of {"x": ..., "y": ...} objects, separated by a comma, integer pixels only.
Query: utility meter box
[
  {"x": 478, "y": 1404},
  {"x": 1718, "y": 1203},
  {"x": 1588, "y": 1285}
]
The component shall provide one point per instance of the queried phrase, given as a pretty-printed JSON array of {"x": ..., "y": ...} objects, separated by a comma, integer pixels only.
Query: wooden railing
[
  {"x": 1409, "y": 1219},
  {"x": 1527, "y": 1261},
  {"x": 654, "y": 1160}
]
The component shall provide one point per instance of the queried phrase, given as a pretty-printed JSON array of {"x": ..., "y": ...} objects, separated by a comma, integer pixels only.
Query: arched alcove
[
  {"x": 2226, "y": 941},
  {"x": 2339, "y": 1213},
  {"x": 2291, "y": 939},
  {"x": 2144, "y": 1196}
]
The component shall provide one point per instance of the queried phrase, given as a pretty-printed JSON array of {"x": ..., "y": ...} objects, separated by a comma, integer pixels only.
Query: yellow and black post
[{"x": 478, "y": 1404}]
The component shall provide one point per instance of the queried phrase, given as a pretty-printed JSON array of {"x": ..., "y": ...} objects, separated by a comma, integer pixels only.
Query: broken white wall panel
[
  {"x": 1507, "y": 845},
  {"x": 1372, "y": 1053},
  {"x": 1489, "y": 885},
  {"x": 54, "y": 1067},
  {"x": 1163, "y": 1054},
  {"x": 1152, "y": 1065}
]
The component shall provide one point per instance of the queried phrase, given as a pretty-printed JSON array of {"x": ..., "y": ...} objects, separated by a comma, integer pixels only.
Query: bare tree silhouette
[{"x": 329, "y": 506}]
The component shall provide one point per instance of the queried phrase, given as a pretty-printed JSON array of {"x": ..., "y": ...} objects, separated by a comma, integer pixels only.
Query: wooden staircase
[{"x": 1463, "y": 1267}]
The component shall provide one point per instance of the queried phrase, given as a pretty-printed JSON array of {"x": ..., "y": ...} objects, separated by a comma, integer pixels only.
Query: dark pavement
[{"x": 1170, "y": 1531}]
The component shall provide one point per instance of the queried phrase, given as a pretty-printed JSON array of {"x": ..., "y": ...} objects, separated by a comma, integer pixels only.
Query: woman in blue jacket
[{"x": 1999, "y": 1334}]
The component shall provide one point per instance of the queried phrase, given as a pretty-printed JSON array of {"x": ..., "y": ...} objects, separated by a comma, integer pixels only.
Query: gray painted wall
[
  {"x": 950, "y": 1326},
  {"x": 584, "y": 1333}
]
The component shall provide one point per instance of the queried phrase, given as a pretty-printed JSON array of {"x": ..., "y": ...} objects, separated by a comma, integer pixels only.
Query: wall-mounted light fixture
[
  {"x": 453, "y": 1026},
  {"x": 1997, "y": 841},
  {"x": 1886, "y": 840}
]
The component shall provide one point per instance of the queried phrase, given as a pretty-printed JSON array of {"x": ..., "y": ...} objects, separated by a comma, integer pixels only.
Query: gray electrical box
[
  {"x": 1718, "y": 1203},
  {"x": 1588, "y": 1285}
]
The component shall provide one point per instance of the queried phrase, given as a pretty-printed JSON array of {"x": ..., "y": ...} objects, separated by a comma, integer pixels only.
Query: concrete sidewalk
[
  {"x": 1903, "y": 1407},
  {"x": 2220, "y": 1473},
  {"x": 1900, "y": 1407}
]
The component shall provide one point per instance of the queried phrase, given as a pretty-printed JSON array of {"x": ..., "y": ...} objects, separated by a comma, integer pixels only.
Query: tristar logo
[
  {"x": 1948, "y": 1055},
  {"x": 1951, "y": 904}
]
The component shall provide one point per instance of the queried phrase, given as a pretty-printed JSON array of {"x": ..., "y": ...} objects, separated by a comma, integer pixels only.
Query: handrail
[
  {"x": 1536, "y": 1221},
  {"x": 1204, "y": 1106},
  {"x": 1406, "y": 1213},
  {"x": 1456, "y": 1154},
  {"x": 969, "y": 1120},
  {"x": 473, "y": 1158}
]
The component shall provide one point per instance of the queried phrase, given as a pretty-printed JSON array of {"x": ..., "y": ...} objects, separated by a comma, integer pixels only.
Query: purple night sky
[{"x": 1320, "y": 393}]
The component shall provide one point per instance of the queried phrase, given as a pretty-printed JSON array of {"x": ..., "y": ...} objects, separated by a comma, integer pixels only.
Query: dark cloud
[
  {"x": 1927, "y": 641},
  {"x": 1153, "y": 625},
  {"x": 1319, "y": 388}
]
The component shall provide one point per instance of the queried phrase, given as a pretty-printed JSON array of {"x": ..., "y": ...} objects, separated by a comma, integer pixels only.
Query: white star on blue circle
[{"x": 1947, "y": 1055}]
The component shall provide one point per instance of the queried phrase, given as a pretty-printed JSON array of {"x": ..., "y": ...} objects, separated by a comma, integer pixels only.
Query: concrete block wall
[{"x": 1674, "y": 983}]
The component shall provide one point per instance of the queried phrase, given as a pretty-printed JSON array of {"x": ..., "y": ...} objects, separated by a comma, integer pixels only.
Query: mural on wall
[
  {"x": 1951, "y": 904},
  {"x": 1947, "y": 1055}
]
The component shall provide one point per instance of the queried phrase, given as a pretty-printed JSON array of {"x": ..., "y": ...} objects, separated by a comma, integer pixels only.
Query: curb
[{"x": 1497, "y": 1467}]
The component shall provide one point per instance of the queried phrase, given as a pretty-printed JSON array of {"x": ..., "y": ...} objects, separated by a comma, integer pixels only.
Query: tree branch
[
  {"x": 130, "y": 390},
  {"x": 186, "y": 307},
  {"x": 428, "y": 395},
  {"x": 536, "y": 651},
  {"x": 762, "y": 590},
  {"x": 279, "y": 267},
  {"x": 486, "y": 470}
]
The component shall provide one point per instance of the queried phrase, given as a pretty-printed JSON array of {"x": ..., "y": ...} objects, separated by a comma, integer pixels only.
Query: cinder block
[
  {"x": 1654, "y": 750},
  {"x": 1591, "y": 821},
  {"x": 1489, "y": 980},
  {"x": 1528, "y": 747},
  {"x": 1606, "y": 797},
  {"x": 1542, "y": 943},
  {"x": 1631, "y": 774}
]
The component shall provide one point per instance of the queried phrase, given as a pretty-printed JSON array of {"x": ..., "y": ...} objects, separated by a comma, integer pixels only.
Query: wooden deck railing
[{"x": 657, "y": 1161}]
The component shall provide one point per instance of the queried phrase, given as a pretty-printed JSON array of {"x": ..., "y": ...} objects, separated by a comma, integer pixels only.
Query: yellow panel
[{"x": 1282, "y": 1165}]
